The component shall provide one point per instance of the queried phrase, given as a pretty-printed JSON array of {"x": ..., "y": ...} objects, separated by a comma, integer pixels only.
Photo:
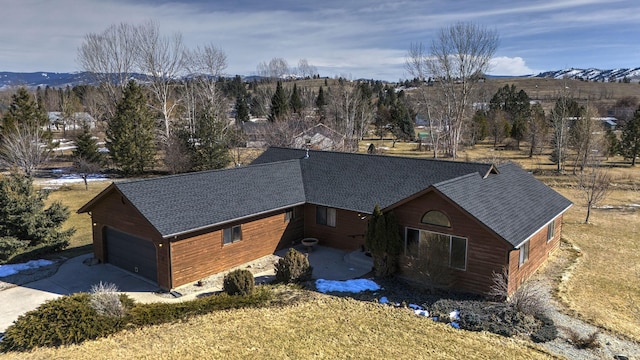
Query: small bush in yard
[
  {"x": 587, "y": 342},
  {"x": 239, "y": 282},
  {"x": 105, "y": 300},
  {"x": 546, "y": 332},
  {"x": 293, "y": 267},
  {"x": 66, "y": 320}
]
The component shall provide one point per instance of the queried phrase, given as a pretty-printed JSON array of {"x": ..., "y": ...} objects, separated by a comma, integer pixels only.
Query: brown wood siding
[
  {"x": 539, "y": 251},
  {"x": 115, "y": 211},
  {"x": 348, "y": 234},
  {"x": 204, "y": 254},
  {"x": 486, "y": 252}
]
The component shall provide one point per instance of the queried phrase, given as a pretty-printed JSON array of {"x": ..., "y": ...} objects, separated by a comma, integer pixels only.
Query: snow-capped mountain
[{"x": 593, "y": 74}]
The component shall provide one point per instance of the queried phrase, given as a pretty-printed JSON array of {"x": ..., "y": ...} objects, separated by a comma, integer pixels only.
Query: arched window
[{"x": 435, "y": 217}]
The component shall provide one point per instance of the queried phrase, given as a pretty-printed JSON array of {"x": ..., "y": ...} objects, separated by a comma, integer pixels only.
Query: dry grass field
[
  {"x": 322, "y": 327},
  {"x": 74, "y": 196}
]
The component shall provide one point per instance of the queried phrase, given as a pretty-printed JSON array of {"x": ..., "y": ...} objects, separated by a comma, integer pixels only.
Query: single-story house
[
  {"x": 178, "y": 229},
  {"x": 320, "y": 137}
]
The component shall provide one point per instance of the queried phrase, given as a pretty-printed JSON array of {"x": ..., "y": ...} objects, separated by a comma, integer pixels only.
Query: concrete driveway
[{"x": 72, "y": 276}]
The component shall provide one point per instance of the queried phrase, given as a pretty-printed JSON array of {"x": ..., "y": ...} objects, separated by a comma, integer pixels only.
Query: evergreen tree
[
  {"x": 612, "y": 143},
  {"x": 295, "y": 102},
  {"x": 242, "y": 110},
  {"x": 516, "y": 105},
  {"x": 23, "y": 112},
  {"x": 402, "y": 127},
  {"x": 320, "y": 100},
  {"x": 131, "y": 132},
  {"x": 24, "y": 220},
  {"x": 479, "y": 126},
  {"x": 87, "y": 146},
  {"x": 383, "y": 241},
  {"x": 87, "y": 157},
  {"x": 209, "y": 150},
  {"x": 630, "y": 142},
  {"x": 279, "y": 104}
]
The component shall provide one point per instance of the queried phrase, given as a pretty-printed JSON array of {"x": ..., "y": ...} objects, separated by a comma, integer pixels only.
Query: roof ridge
[
  {"x": 459, "y": 178},
  {"x": 193, "y": 173},
  {"x": 387, "y": 156}
]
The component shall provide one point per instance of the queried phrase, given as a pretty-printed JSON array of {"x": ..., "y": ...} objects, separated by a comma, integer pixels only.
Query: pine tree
[
  {"x": 320, "y": 100},
  {"x": 131, "y": 132},
  {"x": 242, "y": 110},
  {"x": 279, "y": 104},
  {"x": 24, "y": 220},
  {"x": 383, "y": 242},
  {"x": 87, "y": 157},
  {"x": 23, "y": 111},
  {"x": 209, "y": 150},
  {"x": 295, "y": 102},
  {"x": 630, "y": 142}
]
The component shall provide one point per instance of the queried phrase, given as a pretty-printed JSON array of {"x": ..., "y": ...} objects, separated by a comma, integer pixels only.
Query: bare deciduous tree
[
  {"x": 110, "y": 57},
  {"x": 276, "y": 68},
  {"x": 460, "y": 55},
  {"x": 594, "y": 183},
  {"x": 162, "y": 59},
  {"x": 305, "y": 69},
  {"x": 25, "y": 147}
]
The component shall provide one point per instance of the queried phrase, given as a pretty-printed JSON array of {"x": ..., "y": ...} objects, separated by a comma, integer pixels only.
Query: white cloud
[{"x": 504, "y": 65}]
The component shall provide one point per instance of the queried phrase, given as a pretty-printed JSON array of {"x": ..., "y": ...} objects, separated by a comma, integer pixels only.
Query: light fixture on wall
[{"x": 362, "y": 216}]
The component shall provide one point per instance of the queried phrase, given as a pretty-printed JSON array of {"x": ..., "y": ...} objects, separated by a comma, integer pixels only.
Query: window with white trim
[
  {"x": 326, "y": 216},
  {"x": 524, "y": 253},
  {"x": 441, "y": 247},
  {"x": 551, "y": 229},
  {"x": 232, "y": 234}
]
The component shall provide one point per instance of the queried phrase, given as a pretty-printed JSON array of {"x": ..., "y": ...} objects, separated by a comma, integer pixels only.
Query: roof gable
[{"x": 512, "y": 203}]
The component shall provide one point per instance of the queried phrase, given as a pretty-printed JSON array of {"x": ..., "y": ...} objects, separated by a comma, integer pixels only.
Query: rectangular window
[
  {"x": 445, "y": 250},
  {"x": 411, "y": 243},
  {"x": 524, "y": 253},
  {"x": 232, "y": 234},
  {"x": 551, "y": 228},
  {"x": 331, "y": 217},
  {"x": 458, "y": 258},
  {"x": 325, "y": 216}
]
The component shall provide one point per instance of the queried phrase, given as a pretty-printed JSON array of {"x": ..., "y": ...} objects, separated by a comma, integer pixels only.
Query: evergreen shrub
[
  {"x": 293, "y": 267},
  {"x": 239, "y": 282}
]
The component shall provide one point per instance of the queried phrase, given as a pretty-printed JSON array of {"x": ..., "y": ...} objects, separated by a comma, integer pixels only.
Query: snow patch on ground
[
  {"x": 351, "y": 286},
  {"x": 10, "y": 269}
]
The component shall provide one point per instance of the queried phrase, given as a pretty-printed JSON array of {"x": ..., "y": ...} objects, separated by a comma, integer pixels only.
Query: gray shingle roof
[
  {"x": 182, "y": 203},
  {"x": 512, "y": 203},
  {"x": 358, "y": 181}
]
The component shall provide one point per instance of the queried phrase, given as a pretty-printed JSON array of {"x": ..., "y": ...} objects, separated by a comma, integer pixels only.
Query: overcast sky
[{"x": 350, "y": 38}]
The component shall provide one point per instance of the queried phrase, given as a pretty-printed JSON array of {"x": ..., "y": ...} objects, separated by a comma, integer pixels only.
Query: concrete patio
[{"x": 334, "y": 264}]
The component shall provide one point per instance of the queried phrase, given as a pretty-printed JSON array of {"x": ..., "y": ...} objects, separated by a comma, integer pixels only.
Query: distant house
[
  {"x": 320, "y": 137},
  {"x": 178, "y": 229},
  {"x": 255, "y": 133},
  {"x": 57, "y": 121},
  {"x": 608, "y": 123}
]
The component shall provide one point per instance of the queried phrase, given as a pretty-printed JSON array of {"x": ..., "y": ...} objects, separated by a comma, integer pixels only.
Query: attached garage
[{"x": 131, "y": 253}]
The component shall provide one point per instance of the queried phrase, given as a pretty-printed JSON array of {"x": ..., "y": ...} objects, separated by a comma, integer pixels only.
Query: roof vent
[{"x": 306, "y": 155}]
